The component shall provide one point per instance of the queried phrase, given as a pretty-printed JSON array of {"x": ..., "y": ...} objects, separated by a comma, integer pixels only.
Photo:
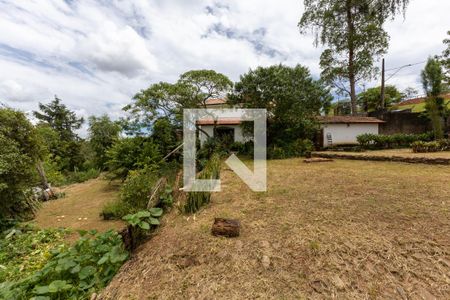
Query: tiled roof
[
  {"x": 347, "y": 119},
  {"x": 215, "y": 101},
  {"x": 419, "y": 100},
  {"x": 220, "y": 121}
]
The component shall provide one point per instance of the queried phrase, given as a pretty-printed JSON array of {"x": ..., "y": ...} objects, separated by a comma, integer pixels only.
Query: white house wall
[{"x": 347, "y": 133}]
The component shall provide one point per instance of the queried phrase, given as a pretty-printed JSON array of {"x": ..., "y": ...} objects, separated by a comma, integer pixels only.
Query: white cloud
[{"x": 96, "y": 55}]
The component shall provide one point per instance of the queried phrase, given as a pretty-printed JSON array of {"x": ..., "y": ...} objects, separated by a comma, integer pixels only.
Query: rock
[
  {"x": 265, "y": 262},
  {"x": 337, "y": 282}
]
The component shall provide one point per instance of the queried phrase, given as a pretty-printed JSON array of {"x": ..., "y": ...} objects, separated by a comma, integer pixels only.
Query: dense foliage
[
  {"x": 433, "y": 146},
  {"x": 65, "y": 146},
  {"x": 291, "y": 97},
  {"x": 72, "y": 272},
  {"x": 165, "y": 99},
  {"x": 370, "y": 100},
  {"x": 103, "y": 133},
  {"x": 19, "y": 152},
  {"x": 432, "y": 81},
  {"x": 25, "y": 249},
  {"x": 399, "y": 140}
]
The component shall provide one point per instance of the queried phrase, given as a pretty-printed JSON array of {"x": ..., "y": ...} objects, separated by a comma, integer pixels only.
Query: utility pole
[{"x": 382, "y": 84}]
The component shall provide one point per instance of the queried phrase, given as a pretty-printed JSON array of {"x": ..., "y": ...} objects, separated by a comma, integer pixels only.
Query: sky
[{"x": 95, "y": 55}]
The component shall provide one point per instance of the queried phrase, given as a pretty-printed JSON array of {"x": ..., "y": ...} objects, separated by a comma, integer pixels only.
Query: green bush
[
  {"x": 398, "y": 140},
  {"x": 114, "y": 210},
  {"x": 72, "y": 272},
  {"x": 434, "y": 146},
  {"x": 137, "y": 187}
]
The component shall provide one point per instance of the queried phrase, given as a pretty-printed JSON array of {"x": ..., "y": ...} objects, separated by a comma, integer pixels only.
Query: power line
[{"x": 408, "y": 65}]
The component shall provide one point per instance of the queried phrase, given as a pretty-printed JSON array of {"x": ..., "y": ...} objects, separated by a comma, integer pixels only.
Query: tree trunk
[
  {"x": 41, "y": 172},
  {"x": 351, "y": 57},
  {"x": 226, "y": 227}
]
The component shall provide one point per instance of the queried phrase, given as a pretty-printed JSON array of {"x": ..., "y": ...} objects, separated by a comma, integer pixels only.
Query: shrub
[
  {"x": 434, "y": 146},
  {"x": 137, "y": 187},
  {"x": 72, "y": 272},
  {"x": 399, "y": 140}
]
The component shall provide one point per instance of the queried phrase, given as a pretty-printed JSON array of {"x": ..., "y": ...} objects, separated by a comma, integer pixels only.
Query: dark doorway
[{"x": 225, "y": 135}]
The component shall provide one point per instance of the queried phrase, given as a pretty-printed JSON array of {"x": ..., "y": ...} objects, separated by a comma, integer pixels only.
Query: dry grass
[
  {"x": 395, "y": 152},
  {"x": 344, "y": 229},
  {"x": 80, "y": 208}
]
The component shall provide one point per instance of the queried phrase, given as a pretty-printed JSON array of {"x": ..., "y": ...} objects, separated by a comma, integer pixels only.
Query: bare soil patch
[{"x": 344, "y": 229}]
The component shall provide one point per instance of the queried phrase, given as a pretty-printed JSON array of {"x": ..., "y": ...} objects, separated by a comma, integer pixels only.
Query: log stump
[{"x": 226, "y": 227}]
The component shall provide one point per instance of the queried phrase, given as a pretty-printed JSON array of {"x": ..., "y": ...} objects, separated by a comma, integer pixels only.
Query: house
[
  {"x": 343, "y": 130},
  {"x": 228, "y": 126}
]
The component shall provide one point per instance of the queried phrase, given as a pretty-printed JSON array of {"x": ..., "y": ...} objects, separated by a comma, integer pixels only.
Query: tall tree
[
  {"x": 63, "y": 121},
  {"x": 370, "y": 100},
  {"x": 291, "y": 96},
  {"x": 353, "y": 32},
  {"x": 102, "y": 134},
  {"x": 432, "y": 77}
]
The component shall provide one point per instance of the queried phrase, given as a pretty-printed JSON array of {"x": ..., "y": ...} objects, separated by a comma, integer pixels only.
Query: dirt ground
[
  {"x": 342, "y": 229},
  {"x": 80, "y": 208},
  {"x": 396, "y": 152}
]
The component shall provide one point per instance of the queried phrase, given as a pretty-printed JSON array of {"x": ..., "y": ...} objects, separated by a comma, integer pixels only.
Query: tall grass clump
[{"x": 195, "y": 200}]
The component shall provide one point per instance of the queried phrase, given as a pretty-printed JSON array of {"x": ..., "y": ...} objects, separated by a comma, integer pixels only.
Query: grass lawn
[
  {"x": 80, "y": 208},
  {"x": 406, "y": 152},
  {"x": 344, "y": 229}
]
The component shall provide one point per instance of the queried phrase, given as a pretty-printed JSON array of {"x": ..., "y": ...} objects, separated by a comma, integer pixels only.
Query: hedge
[{"x": 399, "y": 140}]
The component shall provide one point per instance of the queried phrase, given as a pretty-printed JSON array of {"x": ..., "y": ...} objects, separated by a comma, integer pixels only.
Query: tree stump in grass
[{"x": 226, "y": 227}]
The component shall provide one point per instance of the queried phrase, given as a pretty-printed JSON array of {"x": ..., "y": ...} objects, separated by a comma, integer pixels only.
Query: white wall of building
[
  {"x": 209, "y": 129},
  {"x": 347, "y": 133}
]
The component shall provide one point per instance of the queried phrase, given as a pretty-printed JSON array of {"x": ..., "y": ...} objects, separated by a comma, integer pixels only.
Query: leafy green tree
[
  {"x": 370, "y": 100},
  {"x": 432, "y": 77},
  {"x": 103, "y": 133},
  {"x": 131, "y": 154},
  {"x": 20, "y": 151},
  {"x": 63, "y": 121},
  {"x": 291, "y": 96},
  {"x": 353, "y": 32},
  {"x": 165, "y": 99},
  {"x": 164, "y": 134},
  {"x": 445, "y": 59}
]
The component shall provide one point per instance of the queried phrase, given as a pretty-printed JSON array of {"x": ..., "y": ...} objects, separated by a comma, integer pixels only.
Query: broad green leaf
[
  {"x": 143, "y": 214},
  {"x": 58, "y": 286},
  {"x": 86, "y": 272},
  {"x": 144, "y": 225},
  {"x": 41, "y": 290},
  {"x": 156, "y": 211},
  {"x": 103, "y": 259},
  {"x": 153, "y": 221}
]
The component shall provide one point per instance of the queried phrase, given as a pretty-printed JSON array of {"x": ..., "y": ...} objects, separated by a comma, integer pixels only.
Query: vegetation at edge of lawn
[
  {"x": 25, "y": 249},
  {"x": 399, "y": 140},
  {"x": 71, "y": 272}
]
